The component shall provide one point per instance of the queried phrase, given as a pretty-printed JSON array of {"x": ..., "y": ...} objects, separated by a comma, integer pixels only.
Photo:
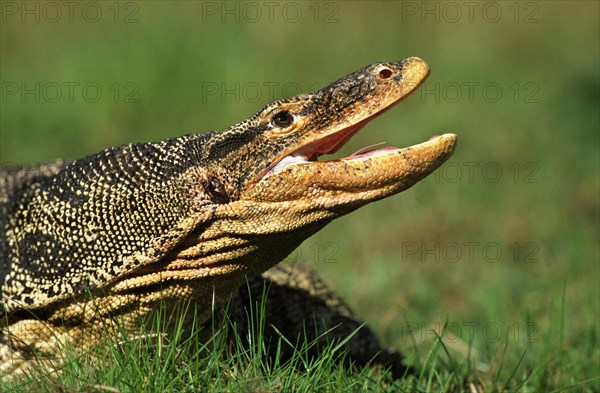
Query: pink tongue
[
  {"x": 371, "y": 153},
  {"x": 434, "y": 137},
  {"x": 366, "y": 148}
]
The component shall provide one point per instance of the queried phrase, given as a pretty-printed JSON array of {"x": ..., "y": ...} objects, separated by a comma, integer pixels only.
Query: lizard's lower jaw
[{"x": 356, "y": 179}]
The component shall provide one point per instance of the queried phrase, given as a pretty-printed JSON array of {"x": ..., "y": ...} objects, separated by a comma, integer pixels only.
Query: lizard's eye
[{"x": 282, "y": 119}]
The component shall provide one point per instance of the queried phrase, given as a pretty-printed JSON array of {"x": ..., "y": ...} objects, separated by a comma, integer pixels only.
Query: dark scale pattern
[{"x": 84, "y": 224}]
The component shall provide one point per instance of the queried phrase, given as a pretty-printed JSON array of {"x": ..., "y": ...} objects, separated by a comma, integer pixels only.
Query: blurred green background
[{"x": 491, "y": 243}]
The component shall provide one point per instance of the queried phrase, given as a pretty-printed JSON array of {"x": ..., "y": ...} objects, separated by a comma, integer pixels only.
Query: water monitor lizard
[{"x": 193, "y": 218}]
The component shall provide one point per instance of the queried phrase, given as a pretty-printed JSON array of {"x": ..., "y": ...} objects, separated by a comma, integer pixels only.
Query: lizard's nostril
[{"x": 385, "y": 73}]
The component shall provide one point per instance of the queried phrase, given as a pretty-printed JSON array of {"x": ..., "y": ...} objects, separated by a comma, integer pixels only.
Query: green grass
[
  {"x": 153, "y": 361},
  {"x": 541, "y": 294}
]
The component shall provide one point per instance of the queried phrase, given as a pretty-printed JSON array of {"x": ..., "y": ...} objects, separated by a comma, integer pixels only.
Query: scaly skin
[{"x": 190, "y": 218}]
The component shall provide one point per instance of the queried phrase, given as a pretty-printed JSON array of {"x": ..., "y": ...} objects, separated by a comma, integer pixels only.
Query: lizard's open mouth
[{"x": 330, "y": 144}]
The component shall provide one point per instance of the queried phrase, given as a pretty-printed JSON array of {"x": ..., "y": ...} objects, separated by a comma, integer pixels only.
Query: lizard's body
[{"x": 192, "y": 218}]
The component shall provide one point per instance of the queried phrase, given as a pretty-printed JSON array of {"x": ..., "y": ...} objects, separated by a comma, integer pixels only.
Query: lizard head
[
  {"x": 297, "y": 131},
  {"x": 268, "y": 175}
]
